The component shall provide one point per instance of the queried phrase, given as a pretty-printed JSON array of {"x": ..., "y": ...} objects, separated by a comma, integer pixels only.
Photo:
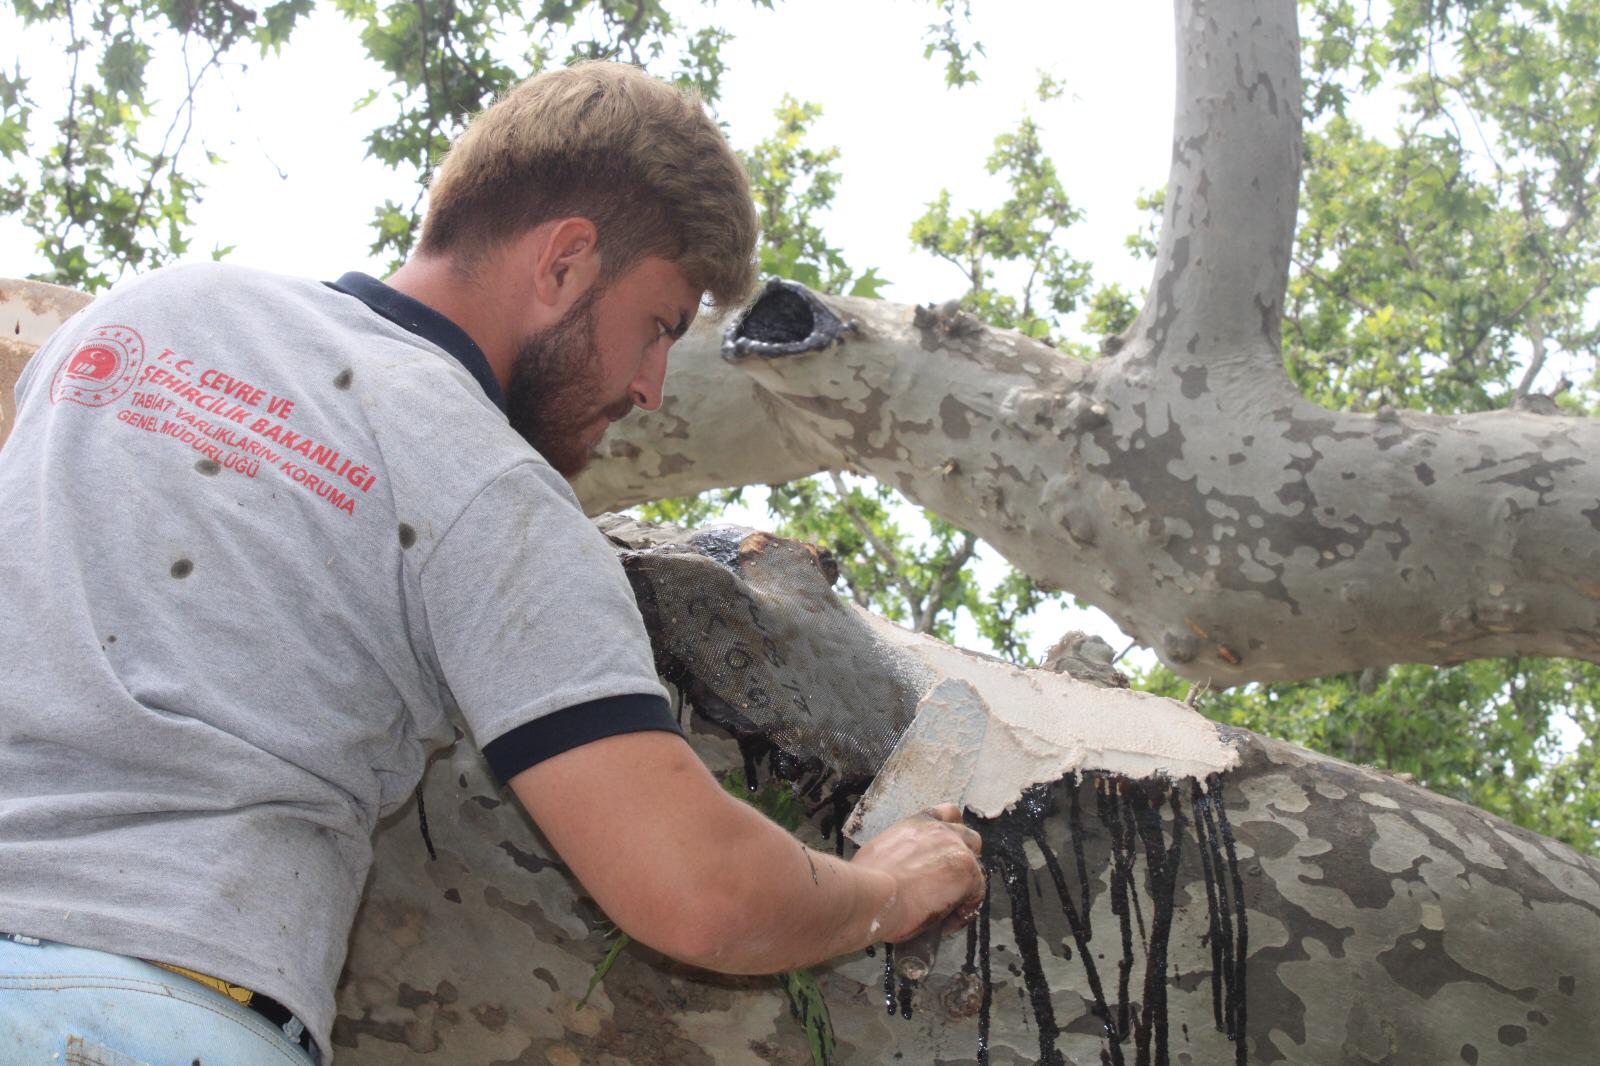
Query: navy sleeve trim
[{"x": 533, "y": 742}]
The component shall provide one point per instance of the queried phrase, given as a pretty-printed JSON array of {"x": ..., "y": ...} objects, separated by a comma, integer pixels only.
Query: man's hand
[{"x": 933, "y": 859}]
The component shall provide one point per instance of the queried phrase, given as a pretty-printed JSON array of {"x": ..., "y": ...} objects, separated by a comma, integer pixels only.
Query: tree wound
[{"x": 786, "y": 319}]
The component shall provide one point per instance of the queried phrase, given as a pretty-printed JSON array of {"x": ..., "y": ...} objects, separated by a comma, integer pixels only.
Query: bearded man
[{"x": 264, "y": 536}]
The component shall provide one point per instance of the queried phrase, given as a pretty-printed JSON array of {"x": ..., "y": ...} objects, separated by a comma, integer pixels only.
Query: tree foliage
[
  {"x": 109, "y": 192},
  {"x": 115, "y": 186},
  {"x": 1026, "y": 231},
  {"x": 793, "y": 184},
  {"x": 1442, "y": 264}
]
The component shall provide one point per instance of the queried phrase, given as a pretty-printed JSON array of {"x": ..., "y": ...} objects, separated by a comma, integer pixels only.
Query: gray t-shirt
[{"x": 257, "y": 542}]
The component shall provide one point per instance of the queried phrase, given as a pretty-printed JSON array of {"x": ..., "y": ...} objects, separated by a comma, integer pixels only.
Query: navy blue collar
[{"x": 425, "y": 322}]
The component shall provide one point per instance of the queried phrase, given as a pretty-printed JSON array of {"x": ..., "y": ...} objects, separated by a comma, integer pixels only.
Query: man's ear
[{"x": 566, "y": 264}]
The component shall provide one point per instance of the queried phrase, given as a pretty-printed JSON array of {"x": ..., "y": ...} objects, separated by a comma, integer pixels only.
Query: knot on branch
[
  {"x": 786, "y": 319},
  {"x": 1536, "y": 404},
  {"x": 1085, "y": 657},
  {"x": 947, "y": 318}
]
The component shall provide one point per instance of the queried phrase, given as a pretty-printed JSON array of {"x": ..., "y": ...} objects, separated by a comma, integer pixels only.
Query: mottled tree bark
[
  {"x": 1180, "y": 484},
  {"x": 1378, "y": 923},
  {"x": 1387, "y": 925}
]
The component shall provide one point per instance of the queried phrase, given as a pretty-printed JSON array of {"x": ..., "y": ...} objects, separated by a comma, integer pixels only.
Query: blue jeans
[{"x": 61, "y": 1004}]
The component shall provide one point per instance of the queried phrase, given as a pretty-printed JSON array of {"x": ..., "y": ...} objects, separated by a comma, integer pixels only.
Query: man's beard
[{"x": 555, "y": 385}]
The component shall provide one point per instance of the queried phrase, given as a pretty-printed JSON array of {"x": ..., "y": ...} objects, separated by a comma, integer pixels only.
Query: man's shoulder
[
  {"x": 245, "y": 308},
  {"x": 283, "y": 332},
  {"x": 212, "y": 280}
]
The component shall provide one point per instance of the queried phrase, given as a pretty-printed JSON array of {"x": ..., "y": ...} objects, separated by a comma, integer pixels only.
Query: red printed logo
[{"x": 103, "y": 368}]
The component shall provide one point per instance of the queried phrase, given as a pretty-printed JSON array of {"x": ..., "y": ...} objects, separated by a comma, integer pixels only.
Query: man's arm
[{"x": 691, "y": 871}]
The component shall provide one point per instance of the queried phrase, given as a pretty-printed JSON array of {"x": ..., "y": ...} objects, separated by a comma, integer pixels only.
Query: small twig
[
  {"x": 427, "y": 82},
  {"x": 184, "y": 110},
  {"x": 907, "y": 589},
  {"x": 1538, "y": 290},
  {"x": 1536, "y": 364},
  {"x": 71, "y": 125},
  {"x": 953, "y": 261},
  {"x": 1342, "y": 290},
  {"x": 951, "y": 569}
]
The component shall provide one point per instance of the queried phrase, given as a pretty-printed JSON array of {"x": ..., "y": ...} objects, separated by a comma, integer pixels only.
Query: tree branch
[
  {"x": 1228, "y": 226},
  {"x": 1537, "y": 339},
  {"x": 890, "y": 561},
  {"x": 1218, "y": 517},
  {"x": 941, "y": 585},
  {"x": 70, "y": 128},
  {"x": 184, "y": 110}
]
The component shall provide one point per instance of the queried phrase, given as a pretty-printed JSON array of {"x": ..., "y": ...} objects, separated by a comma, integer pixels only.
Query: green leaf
[
  {"x": 122, "y": 66},
  {"x": 811, "y": 1010},
  {"x": 945, "y": 38},
  {"x": 278, "y": 22},
  {"x": 621, "y": 941},
  {"x": 774, "y": 798},
  {"x": 869, "y": 284}
]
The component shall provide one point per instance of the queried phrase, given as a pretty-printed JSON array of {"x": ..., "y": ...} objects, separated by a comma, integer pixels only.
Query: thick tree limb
[
  {"x": 1239, "y": 530},
  {"x": 1379, "y": 920},
  {"x": 1181, "y": 484},
  {"x": 1386, "y": 925},
  {"x": 29, "y": 312}
]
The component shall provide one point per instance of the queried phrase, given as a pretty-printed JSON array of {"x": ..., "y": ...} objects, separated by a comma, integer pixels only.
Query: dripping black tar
[{"x": 1120, "y": 843}]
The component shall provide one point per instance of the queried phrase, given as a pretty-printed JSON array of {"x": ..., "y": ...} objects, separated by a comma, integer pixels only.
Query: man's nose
[{"x": 645, "y": 391}]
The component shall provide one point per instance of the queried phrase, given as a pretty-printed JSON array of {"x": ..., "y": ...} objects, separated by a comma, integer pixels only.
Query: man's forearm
[
  {"x": 693, "y": 872},
  {"x": 770, "y": 903}
]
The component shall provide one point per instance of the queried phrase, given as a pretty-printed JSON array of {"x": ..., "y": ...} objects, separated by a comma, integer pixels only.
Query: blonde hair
[{"x": 607, "y": 142}]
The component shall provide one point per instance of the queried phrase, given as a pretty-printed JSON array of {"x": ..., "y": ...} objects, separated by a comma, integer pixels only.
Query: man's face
[{"x": 605, "y": 357}]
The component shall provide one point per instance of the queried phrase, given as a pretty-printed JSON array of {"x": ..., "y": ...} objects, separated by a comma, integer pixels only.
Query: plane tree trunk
[{"x": 1386, "y": 925}]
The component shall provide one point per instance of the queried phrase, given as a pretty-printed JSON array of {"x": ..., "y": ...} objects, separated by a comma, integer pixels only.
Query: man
[{"x": 262, "y": 535}]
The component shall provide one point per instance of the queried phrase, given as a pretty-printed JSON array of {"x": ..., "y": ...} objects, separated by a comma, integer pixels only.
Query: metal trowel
[{"x": 933, "y": 763}]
